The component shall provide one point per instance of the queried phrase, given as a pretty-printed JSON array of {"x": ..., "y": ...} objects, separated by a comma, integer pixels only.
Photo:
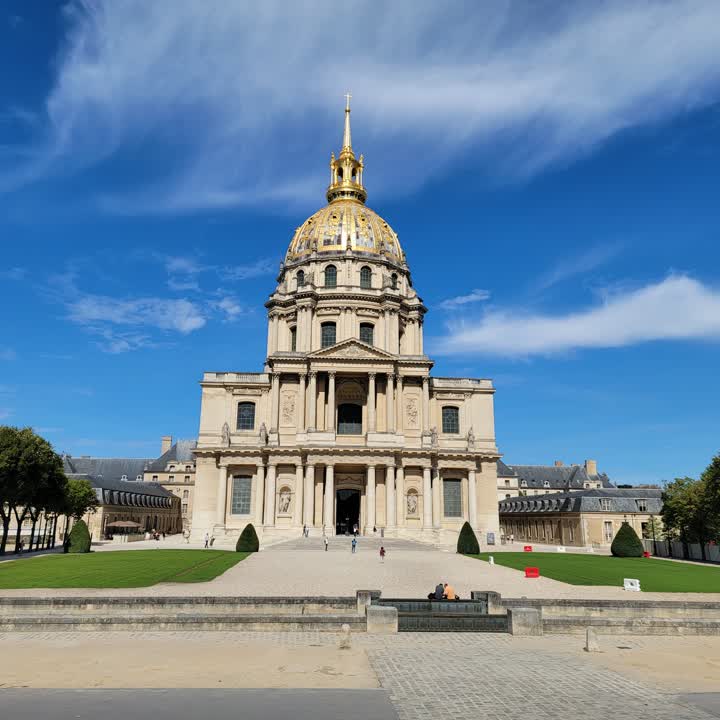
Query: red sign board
[
  {"x": 532, "y": 572},
  {"x": 528, "y": 548}
]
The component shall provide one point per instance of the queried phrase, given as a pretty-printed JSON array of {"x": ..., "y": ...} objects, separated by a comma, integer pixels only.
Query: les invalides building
[{"x": 346, "y": 426}]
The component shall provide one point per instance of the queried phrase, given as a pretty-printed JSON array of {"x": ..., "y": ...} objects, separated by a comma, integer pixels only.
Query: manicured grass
[
  {"x": 117, "y": 568},
  {"x": 577, "y": 569}
]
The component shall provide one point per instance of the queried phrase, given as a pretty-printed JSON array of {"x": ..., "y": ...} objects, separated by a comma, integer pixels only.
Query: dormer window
[
  {"x": 546, "y": 484},
  {"x": 523, "y": 483},
  {"x": 124, "y": 477}
]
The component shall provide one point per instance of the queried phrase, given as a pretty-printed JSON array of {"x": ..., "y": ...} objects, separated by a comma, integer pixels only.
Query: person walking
[
  {"x": 382, "y": 554},
  {"x": 325, "y": 540},
  {"x": 207, "y": 539},
  {"x": 305, "y": 532},
  {"x": 354, "y": 545}
]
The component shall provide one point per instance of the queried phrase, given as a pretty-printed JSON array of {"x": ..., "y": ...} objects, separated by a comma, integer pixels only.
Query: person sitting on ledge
[
  {"x": 450, "y": 592},
  {"x": 437, "y": 593}
]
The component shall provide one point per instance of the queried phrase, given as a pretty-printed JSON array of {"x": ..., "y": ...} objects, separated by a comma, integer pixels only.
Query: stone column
[
  {"x": 370, "y": 495},
  {"x": 301, "y": 404},
  {"x": 427, "y": 499},
  {"x": 436, "y": 498},
  {"x": 309, "y": 502},
  {"x": 274, "y": 402},
  {"x": 390, "y": 496},
  {"x": 312, "y": 402},
  {"x": 371, "y": 402},
  {"x": 270, "y": 495},
  {"x": 390, "y": 403},
  {"x": 259, "y": 493},
  {"x": 426, "y": 404},
  {"x": 400, "y": 496},
  {"x": 472, "y": 500},
  {"x": 330, "y": 422},
  {"x": 329, "y": 500},
  {"x": 222, "y": 495},
  {"x": 299, "y": 493},
  {"x": 399, "y": 405}
]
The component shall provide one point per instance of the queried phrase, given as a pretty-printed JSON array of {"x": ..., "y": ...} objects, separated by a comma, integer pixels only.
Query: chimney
[
  {"x": 558, "y": 463},
  {"x": 165, "y": 444},
  {"x": 591, "y": 467}
]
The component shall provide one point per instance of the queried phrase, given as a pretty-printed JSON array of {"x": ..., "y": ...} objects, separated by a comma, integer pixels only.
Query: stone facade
[{"x": 345, "y": 426}]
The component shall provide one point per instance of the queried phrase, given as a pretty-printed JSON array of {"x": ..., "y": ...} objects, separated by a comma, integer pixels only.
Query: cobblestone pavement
[{"x": 494, "y": 677}]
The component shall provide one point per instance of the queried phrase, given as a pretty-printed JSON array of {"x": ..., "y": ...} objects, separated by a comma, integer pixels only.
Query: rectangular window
[
  {"x": 327, "y": 334},
  {"x": 605, "y": 504},
  {"x": 155, "y": 477},
  {"x": 641, "y": 505},
  {"x": 187, "y": 478},
  {"x": 450, "y": 420},
  {"x": 241, "y": 488},
  {"x": 507, "y": 483},
  {"x": 171, "y": 478},
  {"x": 452, "y": 498},
  {"x": 607, "y": 531}
]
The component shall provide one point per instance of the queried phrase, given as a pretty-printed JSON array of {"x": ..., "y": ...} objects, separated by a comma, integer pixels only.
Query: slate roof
[
  {"x": 181, "y": 451},
  {"x": 564, "y": 477},
  {"x": 109, "y": 469},
  {"x": 620, "y": 501},
  {"x": 129, "y": 486},
  {"x": 503, "y": 471}
]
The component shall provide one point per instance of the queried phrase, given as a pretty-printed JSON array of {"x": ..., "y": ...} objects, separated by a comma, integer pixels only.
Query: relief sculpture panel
[
  {"x": 287, "y": 410},
  {"x": 412, "y": 413}
]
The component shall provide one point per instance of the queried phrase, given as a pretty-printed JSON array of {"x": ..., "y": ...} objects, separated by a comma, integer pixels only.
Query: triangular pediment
[{"x": 352, "y": 349}]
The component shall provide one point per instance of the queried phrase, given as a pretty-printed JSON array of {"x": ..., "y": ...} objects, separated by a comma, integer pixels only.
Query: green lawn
[
  {"x": 576, "y": 569},
  {"x": 117, "y": 568}
]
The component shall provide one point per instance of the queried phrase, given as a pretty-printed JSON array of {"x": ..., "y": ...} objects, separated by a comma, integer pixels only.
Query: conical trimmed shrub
[
  {"x": 467, "y": 543},
  {"x": 626, "y": 543},
  {"x": 248, "y": 540},
  {"x": 79, "y": 538}
]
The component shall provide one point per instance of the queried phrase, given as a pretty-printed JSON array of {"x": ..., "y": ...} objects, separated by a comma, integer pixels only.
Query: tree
[
  {"x": 626, "y": 543},
  {"x": 79, "y": 538},
  {"x": 467, "y": 543},
  {"x": 31, "y": 479},
  {"x": 688, "y": 513},
  {"x": 711, "y": 478},
  {"x": 248, "y": 540},
  {"x": 80, "y": 498}
]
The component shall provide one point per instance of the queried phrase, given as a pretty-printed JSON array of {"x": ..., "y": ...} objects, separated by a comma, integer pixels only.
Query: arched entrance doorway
[{"x": 347, "y": 511}]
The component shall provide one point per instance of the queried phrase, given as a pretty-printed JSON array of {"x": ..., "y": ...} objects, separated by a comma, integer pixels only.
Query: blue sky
[{"x": 552, "y": 171}]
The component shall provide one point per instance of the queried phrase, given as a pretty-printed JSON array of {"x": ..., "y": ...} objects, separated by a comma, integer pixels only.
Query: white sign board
[{"x": 631, "y": 584}]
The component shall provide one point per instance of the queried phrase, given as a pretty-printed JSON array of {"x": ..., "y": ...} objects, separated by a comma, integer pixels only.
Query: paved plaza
[
  {"x": 421, "y": 675},
  {"x": 301, "y": 567}
]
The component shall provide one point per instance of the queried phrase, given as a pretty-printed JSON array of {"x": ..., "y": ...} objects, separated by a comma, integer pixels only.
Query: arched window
[
  {"x": 300, "y": 278},
  {"x": 393, "y": 281},
  {"x": 365, "y": 277},
  {"x": 450, "y": 420},
  {"x": 327, "y": 334},
  {"x": 330, "y": 276},
  {"x": 186, "y": 494},
  {"x": 349, "y": 419},
  {"x": 367, "y": 333},
  {"x": 293, "y": 339},
  {"x": 246, "y": 416}
]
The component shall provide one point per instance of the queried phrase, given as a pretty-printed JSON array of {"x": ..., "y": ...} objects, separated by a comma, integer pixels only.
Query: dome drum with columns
[{"x": 345, "y": 427}]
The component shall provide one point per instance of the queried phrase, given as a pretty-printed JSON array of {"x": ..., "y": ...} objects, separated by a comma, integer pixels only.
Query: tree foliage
[
  {"x": 32, "y": 480},
  {"x": 79, "y": 538},
  {"x": 688, "y": 514},
  {"x": 467, "y": 543},
  {"x": 80, "y": 498},
  {"x": 626, "y": 543},
  {"x": 248, "y": 540}
]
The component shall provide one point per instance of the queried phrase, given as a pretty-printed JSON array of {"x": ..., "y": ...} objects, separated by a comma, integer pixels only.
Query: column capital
[
  {"x": 275, "y": 374},
  {"x": 302, "y": 374},
  {"x": 391, "y": 376},
  {"x": 331, "y": 373},
  {"x": 425, "y": 380},
  {"x": 372, "y": 374},
  {"x": 312, "y": 373}
]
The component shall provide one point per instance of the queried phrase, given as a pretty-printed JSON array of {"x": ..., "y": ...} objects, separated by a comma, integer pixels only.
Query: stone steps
[
  {"x": 451, "y": 622},
  {"x": 181, "y": 622}
]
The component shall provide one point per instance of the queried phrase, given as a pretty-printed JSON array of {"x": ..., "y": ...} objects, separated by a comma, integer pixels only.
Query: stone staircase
[
  {"x": 445, "y": 616},
  {"x": 342, "y": 543}
]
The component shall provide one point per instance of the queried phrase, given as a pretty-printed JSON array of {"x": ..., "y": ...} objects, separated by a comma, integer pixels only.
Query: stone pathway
[{"x": 494, "y": 677}]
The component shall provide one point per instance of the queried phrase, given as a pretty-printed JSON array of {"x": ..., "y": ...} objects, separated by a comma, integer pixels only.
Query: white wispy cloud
[
  {"x": 581, "y": 264},
  {"x": 676, "y": 308},
  {"x": 184, "y": 272},
  {"x": 461, "y": 300},
  {"x": 230, "y": 308},
  {"x": 261, "y": 267},
  {"x": 251, "y": 95}
]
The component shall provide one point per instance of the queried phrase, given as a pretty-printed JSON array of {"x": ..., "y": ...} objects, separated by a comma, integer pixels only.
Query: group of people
[{"x": 443, "y": 591}]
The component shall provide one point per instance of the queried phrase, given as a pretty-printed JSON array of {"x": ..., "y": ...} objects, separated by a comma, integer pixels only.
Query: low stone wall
[{"x": 618, "y": 617}]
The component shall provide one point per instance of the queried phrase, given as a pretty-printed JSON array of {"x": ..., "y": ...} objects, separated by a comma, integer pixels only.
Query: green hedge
[
  {"x": 79, "y": 538},
  {"x": 467, "y": 543},
  {"x": 626, "y": 543},
  {"x": 248, "y": 540}
]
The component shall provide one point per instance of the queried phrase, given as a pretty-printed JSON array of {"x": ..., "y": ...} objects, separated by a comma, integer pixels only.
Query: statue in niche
[
  {"x": 471, "y": 438},
  {"x": 433, "y": 437},
  {"x": 412, "y": 504},
  {"x": 226, "y": 435},
  {"x": 263, "y": 434},
  {"x": 284, "y": 502}
]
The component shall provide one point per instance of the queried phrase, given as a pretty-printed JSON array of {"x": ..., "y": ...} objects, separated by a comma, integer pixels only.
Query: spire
[
  {"x": 347, "y": 139},
  {"x": 346, "y": 171}
]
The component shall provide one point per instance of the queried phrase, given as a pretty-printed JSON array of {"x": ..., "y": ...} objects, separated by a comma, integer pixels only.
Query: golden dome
[{"x": 345, "y": 225}]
